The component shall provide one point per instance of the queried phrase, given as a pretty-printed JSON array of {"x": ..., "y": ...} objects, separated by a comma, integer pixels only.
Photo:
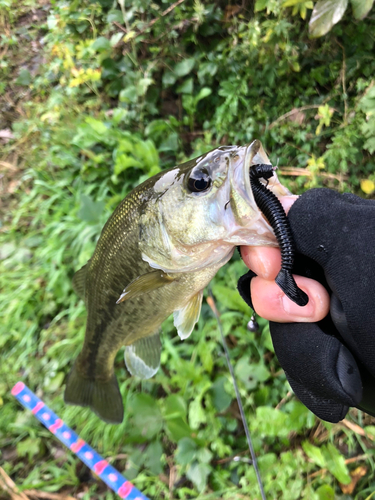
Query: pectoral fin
[
  {"x": 144, "y": 284},
  {"x": 79, "y": 280},
  {"x": 143, "y": 357},
  {"x": 185, "y": 318}
]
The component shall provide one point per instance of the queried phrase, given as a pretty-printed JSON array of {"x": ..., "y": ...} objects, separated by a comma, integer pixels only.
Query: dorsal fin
[
  {"x": 79, "y": 281},
  {"x": 143, "y": 357}
]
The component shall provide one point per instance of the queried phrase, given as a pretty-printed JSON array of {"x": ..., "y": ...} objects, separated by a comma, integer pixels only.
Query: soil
[{"x": 21, "y": 53}]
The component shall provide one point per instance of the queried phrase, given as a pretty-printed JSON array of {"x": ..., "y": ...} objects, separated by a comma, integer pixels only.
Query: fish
[{"x": 157, "y": 252}]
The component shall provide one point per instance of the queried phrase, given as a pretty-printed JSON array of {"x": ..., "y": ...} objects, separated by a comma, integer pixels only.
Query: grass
[{"x": 78, "y": 148}]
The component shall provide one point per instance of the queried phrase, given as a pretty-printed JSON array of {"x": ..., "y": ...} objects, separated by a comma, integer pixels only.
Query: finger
[
  {"x": 266, "y": 261},
  {"x": 287, "y": 202},
  {"x": 271, "y": 303}
]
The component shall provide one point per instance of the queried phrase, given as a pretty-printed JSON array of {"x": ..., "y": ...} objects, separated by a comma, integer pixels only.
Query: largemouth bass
[{"x": 157, "y": 252}]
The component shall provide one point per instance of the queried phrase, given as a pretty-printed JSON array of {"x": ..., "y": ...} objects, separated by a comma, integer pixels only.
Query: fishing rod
[
  {"x": 238, "y": 396},
  {"x": 112, "y": 477}
]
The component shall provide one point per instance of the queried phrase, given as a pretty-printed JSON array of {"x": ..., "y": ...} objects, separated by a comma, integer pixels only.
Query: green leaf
[
  {"x": 53, "y": 384},
  {"x": 24, "y": 78},
  {"x": 134, "y": 463},
  {"x": 361, "y": 8},
  {"x": 325, "y": 492},
  {"x": 260, "y": 5},
  {"x": 97, "y": 125},
  {"x": 186, "y": 87},
  {"x": 270, "y": 422},
  {"x": 174, "y": 414},
  {"x": 221, "y": 399},
  {"x": 251, "y": 373},
  {"x": 314, "y": 453},
  {"x": 116, "y": 38},
  {"x": 124, "y": 161},
  {"x": 115, "y": 16},
  {"x": 198, "y": 473},
  {"x": 101, "y": 44},
  {"x": 335, "y": 463},
  {"x": 230, "y": 298},
  {"x": 197, "y": 415},
  {"x": 29, "y": 447},
  {"x": 168, "y": 78},
  {"x": 367, "y": 103},
  {"x": 178, "y": 429},
  {"x": 6, "y": 250},
  {"x": 153, "y": 457},
  {"x": 146, "y": 152},
  {"x": 184, "y": 67},
  {"x": 203, "y": 93},
  {"x": 370, "y": 430},
  {"x": 326, "y": 14},
  {"x": 90, "y": 210},
  {"x": 291, "y": 3},
  {"x": 147, "y": 416},
  {"x": 204, "y": 455},
  {"x": 299, "y": 416},
  {"x": 143, "y": 84},
  {"x": 174, "y": 406},
  {"x": 130, "y": 94},
  {"x": 186, "y": 451},
  {"x": 119, "y": 114},
  {"x": 170, "y": 143}
]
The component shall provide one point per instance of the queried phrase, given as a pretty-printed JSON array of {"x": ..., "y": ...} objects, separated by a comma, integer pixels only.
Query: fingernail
[
  {"x": 264, "y": 263},
  {"x": 292, "y": 309}
]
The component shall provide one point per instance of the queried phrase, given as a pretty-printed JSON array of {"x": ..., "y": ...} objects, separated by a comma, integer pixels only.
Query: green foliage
[{"x": 108, "y": 108}]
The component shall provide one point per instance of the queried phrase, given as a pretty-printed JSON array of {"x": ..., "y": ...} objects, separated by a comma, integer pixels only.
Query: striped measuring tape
[{"x": 69, "y": 438}]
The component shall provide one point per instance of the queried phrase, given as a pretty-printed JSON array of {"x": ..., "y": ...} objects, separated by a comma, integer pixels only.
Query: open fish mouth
[
  {"x": 253, "y": 154},
  {"x": 246, "y": 224}
]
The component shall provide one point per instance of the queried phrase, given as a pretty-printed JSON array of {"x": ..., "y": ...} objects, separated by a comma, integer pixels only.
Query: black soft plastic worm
[{"x": 274, "y": 212}]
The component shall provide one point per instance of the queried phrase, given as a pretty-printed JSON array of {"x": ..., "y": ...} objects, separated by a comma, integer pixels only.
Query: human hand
[{"x": 330, "y": 364}]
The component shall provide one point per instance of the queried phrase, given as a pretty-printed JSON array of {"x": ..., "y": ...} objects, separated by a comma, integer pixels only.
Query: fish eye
[{"x": 199, "y": 181}]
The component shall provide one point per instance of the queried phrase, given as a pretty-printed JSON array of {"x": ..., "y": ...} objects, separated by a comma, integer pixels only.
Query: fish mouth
[
  {"x": 252, "y": 154},
  {"x": 255, "y": 155},
  {"x": 247, "y": 225}
]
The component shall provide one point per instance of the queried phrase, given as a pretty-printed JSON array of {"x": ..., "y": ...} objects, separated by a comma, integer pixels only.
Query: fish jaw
[{"x": 245, "y": 224}]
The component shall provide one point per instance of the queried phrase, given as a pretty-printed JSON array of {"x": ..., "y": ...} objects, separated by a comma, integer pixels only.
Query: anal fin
[
  {"x": 103, "y": 398},
  {"x": 142, "y": 358},
  {"x": 145, "y": 284},
  {"x": 186, "y": 317}
]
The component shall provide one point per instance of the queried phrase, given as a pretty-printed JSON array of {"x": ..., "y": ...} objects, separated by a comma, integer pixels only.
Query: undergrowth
[{"x": 97, "y": 97}]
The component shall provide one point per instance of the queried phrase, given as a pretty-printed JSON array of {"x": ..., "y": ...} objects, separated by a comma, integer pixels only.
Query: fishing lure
[{"x": 274, "y": 212}]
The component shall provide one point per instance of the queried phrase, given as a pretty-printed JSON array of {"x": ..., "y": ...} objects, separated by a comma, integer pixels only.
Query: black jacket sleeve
[{"x": 331, "y": 364}]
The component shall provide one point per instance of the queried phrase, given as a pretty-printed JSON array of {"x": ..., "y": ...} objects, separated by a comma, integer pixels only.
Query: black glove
[{"x": 330, "y": 365}]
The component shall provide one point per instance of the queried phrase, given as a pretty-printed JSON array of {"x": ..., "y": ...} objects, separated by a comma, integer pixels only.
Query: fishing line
[{"x": 238, "y": 396}]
